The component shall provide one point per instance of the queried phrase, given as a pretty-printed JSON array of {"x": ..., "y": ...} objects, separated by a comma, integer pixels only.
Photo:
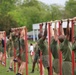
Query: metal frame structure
[
  {"x": 60, "y": 53},
  {"x": 40, "y": 53},
  {"x": 49, "y": 51},
  {"x": 26, "y": 47}
]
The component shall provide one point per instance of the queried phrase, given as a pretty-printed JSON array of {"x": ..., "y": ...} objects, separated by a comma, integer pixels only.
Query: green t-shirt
[
  {"x": 66, "y": 48},
  {"x": 43, "y": 46},
  {"x": 54, "y": 48}
]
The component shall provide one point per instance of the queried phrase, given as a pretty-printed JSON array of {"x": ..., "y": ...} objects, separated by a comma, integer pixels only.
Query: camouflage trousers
[
  {"x": 45, "y": 60},
  {"x": 67, "y": 68},
  {"x": 56, "y": 66}
]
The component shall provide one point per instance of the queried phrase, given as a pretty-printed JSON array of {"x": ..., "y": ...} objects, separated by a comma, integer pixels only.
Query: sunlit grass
[{"x": 3, "y": 70}]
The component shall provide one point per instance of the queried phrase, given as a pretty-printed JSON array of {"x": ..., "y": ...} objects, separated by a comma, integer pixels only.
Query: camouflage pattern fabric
[
  {"x": 43, "y": 46},
  {"x": 37, "y": 53},
  {"x": 56, "y": 65},
  {"x": 74, "y": 49},
  {"x": 54, "y": 48},
  {"x": 67, "y": 68},
  {"x": 45, "y": 60},
  {"x": 23, "y": 59},
  {"x": 22, "y": 46},
  {"x": 66, "y": 48},
  {"x": 10, "y": 48}
]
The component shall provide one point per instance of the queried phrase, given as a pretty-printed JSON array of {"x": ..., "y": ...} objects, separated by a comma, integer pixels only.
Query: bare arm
[
  {"x": 67, "y": 30},
  {"x": 45, "y": 32},
  {"x": 55, "y": 33},
  {"x": 61, "y": 28}
]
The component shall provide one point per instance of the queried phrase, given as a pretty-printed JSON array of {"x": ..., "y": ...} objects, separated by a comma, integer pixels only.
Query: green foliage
[
  {"x": 6, "y": 22},
  {"x": 70, "y": 8},
  {"x": 6, "y": 6},
  {"x": 18, "y": 16},
  {"x": 29, "y": 12},
  {"x": 56, "y": 12}
]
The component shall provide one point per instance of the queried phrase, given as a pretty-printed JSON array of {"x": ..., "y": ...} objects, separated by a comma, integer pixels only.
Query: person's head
[
  {"x": 31, "y": 44},
  {"x": 39, "y": 35},
  {"x": 61, "y": 38}
]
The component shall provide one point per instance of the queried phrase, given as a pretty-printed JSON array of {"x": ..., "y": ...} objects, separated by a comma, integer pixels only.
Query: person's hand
[
  {"x": 68, "y": 21},
  {"x": 46, "y": 23},
  {"x": 42, "y": 24},
  {"x": 61, "y": 22}
]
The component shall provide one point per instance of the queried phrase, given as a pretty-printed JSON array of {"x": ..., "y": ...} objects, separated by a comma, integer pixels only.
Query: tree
[
  {"x": 6, "y": 23},
  {"x": 70, "y": 8},
  {"x": 6, "y": 6},
  {"x": 56, "y": 12},
  {"x": 29, "y": 12}
]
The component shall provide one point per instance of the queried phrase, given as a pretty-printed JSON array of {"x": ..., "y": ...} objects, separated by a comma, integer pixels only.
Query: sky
[{"x": 60, "y": 2}]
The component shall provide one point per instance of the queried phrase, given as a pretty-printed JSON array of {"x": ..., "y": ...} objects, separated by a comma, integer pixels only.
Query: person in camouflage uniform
[
  {"x": 66, "y": 49},
  {"x": 36, "y": 58},
  {"x": 44, "y": 48},
  {"x": 11, "y": 44},
  {"x": 22, "y": 55},
  {"x": 74, "y": 49},
  {"x": 10, "y": 50},
  {"x": 17, "y": 47},
  {"x": 54, "y": 49},
  {"x": 2, "y": 51}
]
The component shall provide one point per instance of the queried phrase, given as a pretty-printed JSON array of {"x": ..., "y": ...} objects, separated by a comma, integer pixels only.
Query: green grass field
[{"x": 3, "y": 70}]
